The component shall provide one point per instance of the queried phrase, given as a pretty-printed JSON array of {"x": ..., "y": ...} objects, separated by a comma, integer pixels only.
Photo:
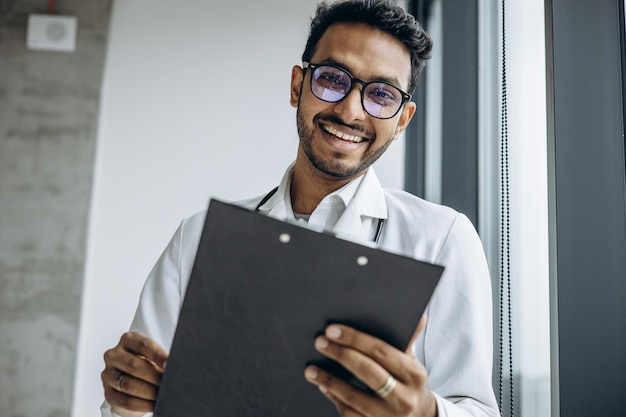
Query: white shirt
[{"x": 456, "y": 345}]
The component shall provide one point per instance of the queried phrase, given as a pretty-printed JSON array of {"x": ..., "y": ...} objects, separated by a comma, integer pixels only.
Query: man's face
[{"x": 340, "y": 140}]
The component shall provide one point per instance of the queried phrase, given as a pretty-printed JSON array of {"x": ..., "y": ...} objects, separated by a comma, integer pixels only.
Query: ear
[
  {"x": 297, "y": 76},
  {"x": 406, "y": 114}
]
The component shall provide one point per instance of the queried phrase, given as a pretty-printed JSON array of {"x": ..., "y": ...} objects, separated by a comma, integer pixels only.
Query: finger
[
  {"x": 363, "y": 367},
  {"x": 128, "y": 384},
  {"x": 139, "y": 356},
  {"x": 348, "y": 400},
  {"x": 120, "y": 360},
  {"x": 119, "y": 400},
  {"x": 142, "y": 345},
  {"x": 406, "y": 368},
  {"x": 421, "y": 325}
]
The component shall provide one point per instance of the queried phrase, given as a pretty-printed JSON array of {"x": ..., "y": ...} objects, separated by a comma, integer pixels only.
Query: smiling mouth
[{"x": 343, "y": 136}]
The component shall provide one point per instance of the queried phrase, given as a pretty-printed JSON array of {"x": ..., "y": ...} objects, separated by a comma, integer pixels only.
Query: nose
[{"x": 350, "y": 108}]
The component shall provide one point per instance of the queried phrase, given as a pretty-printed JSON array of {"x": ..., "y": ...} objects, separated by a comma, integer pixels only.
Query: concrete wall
[{"x": 48, "y": 122}]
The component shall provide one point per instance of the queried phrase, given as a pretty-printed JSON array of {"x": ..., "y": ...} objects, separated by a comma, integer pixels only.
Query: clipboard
[{"x": 260, "y": 292}]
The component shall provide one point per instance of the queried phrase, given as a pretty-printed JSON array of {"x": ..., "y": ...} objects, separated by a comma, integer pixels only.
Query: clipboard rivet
[
  {"x": 284, "y": 237},
  {"x": 362, "y": 260}
]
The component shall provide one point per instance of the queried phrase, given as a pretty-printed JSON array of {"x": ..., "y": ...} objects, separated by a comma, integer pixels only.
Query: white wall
[{"x": 195, "y": 103}]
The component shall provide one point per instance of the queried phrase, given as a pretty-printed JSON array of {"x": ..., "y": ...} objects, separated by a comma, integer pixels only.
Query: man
[{"x": 362, "y": 59}]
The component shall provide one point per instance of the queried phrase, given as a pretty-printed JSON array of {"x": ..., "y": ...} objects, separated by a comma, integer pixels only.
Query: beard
[{"x": 336, "y": 166}]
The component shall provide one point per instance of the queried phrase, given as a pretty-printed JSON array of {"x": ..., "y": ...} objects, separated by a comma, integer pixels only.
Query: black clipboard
[{"x": 260, "y": 291}]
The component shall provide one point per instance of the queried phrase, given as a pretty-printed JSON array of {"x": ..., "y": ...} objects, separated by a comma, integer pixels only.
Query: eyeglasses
[{"x": 332, "y": 84}]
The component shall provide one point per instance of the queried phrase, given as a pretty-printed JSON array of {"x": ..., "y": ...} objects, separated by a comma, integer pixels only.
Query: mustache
[{"x": 334, "y": 119}]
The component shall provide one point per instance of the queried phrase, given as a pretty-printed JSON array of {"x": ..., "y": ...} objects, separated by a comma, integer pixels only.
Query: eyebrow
[{"x": 389, "y": 80}]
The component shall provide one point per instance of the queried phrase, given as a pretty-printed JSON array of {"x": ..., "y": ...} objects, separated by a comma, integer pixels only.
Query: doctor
[{"x": 353, "y": 99}]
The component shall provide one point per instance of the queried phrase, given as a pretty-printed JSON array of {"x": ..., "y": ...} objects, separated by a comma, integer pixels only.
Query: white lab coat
[{"x": 456, "y": 346}]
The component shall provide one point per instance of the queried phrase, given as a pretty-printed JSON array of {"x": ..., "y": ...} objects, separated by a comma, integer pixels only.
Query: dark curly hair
[{"x": 384, "y": 15}]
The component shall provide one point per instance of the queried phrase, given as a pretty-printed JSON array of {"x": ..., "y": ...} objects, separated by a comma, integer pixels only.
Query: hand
[
  {"x": 372, "y": 361},
  {"x": 132, "y": 374}
]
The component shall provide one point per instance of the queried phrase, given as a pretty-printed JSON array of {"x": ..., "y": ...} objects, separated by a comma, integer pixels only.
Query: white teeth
[{"x": 344, "y": 136}]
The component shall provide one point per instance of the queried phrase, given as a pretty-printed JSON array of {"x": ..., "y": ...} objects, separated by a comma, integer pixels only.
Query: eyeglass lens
[{"x": 331, "y": 84}]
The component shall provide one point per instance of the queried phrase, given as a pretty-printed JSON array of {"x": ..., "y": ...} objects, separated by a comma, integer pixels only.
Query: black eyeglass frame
[{"x": 405, "y": 96}]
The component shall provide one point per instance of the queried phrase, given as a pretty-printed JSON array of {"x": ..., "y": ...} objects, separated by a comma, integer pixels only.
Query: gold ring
[
  {"x": 118, "y": 382},
  {"x": 389, "y": 385}
]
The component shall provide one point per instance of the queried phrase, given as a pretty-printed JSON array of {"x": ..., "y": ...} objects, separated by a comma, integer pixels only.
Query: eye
[
  {"x": 383, "y": 94},
  {"x": 331, "y": 78}
]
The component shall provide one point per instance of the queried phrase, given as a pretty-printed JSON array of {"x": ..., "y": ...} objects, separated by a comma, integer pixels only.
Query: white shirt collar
[{"x": 363, "y": 199}]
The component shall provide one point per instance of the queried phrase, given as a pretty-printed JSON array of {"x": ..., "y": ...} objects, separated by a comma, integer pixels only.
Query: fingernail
[
  {"x": 164, "y": 365},
  {"x": 321, "y": 342},
  {"x": 333, "y": 332},
  {"x": 311, "y": 373}
]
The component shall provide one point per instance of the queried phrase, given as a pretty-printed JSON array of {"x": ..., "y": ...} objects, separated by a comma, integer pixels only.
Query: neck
[{"x": 309, "y": 186}]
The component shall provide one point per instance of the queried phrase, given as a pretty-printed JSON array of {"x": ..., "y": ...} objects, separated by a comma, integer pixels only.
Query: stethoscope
[{"x": 379, "y": 226}]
